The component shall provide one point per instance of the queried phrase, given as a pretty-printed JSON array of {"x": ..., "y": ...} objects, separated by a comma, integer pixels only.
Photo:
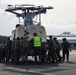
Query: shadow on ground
[{"x": 33, "y": 68}]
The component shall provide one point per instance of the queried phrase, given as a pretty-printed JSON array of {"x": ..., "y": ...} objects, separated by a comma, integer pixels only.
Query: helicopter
[{"x": 31, "y": 16}]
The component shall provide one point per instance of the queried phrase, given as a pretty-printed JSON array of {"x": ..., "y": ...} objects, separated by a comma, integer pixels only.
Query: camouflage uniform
[
  {"x": 52, "y": 50},
  {"x": 3, "y": 52},
  {"x": 24, "y": 49},
  {"x": 66, "y": 48},
  {"x": 17, "y": 51},
  {"x": 12, "y": 51},
  {"x": 8, "y": 49},
  {"x": 57, "y": 49},
  {"x": 43, "y": 51}
]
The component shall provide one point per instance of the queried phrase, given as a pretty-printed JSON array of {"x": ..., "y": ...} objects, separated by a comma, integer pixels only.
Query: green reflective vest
[{"x": 37, "y": 41}]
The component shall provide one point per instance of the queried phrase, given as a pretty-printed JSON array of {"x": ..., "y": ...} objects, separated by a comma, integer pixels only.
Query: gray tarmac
[{"x": 63, "y": 68}]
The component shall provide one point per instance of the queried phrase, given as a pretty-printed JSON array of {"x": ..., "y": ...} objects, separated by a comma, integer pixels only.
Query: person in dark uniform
[
  {"x": 12, "y": 51},
  {"x": 24, "y": 50},
  {"x": 66, "y": 48},
  {"x": 3, "y": 52},
  {"x": 8, "y": 49},
  {"x": 58, "y": 49},
  {"x": 17, "y": 50},
  {"x": 52, "y": 50}
]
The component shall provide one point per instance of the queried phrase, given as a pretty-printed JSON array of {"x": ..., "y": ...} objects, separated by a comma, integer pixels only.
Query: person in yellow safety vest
[
  {"x": 37, "y": 41},
  {"x": 37, "y": 46}
]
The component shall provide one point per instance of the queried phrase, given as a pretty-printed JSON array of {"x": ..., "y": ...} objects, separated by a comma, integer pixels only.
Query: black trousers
[
  {"x": 65, "y": 53},
  {"x": 37, "y": 51}
]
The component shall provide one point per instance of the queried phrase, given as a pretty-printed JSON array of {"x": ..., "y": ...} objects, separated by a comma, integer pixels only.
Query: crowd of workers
[{"x": 18, "y": 50}]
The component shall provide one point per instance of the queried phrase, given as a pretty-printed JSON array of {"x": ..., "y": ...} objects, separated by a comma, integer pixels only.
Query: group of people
[
  {"x": 12, "y": 51},
  {"x": 55, "y": 47},
  {"x": 18, "y": 50}
]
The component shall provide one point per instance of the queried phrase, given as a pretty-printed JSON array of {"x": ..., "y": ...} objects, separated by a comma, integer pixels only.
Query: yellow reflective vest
[{"x": 37, "y": 41}]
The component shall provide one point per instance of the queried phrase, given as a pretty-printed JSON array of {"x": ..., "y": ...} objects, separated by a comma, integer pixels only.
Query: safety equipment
[{"x": 37, "y": 41}]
